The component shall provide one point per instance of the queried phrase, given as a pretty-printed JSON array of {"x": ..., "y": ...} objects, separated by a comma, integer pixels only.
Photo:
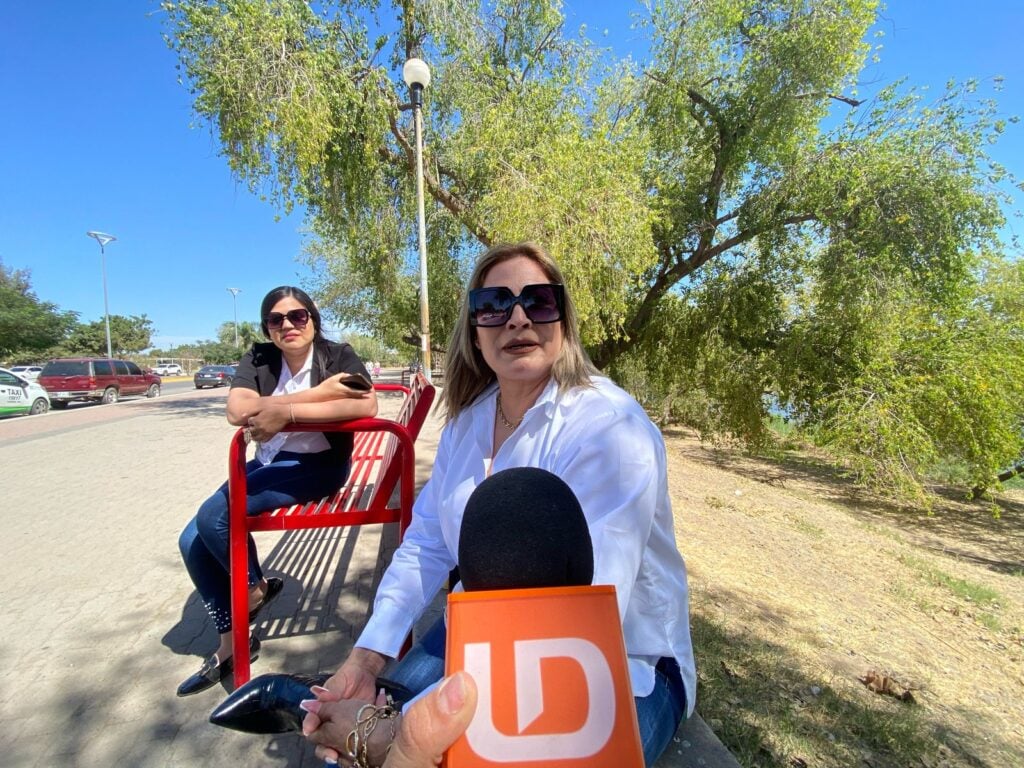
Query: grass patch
[
  {"x": 907, "y": 596},
  {"x": 961, "y": 588},
  {"x": 990, "y": 622},
  {"x": 881, "y": 530},
  {"x": 769, "y": 710},
  {"x": 805, "y": 527}
]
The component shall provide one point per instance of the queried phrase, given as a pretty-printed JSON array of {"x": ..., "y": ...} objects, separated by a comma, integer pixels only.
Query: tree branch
[
  {"x": 666, "y": 278},
  {"x": 458, "y": 207},
  {"x": 845, "y": 99}
]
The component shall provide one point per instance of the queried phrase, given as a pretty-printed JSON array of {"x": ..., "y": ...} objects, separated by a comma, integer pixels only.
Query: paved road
[{"x": 101, "y": 621}]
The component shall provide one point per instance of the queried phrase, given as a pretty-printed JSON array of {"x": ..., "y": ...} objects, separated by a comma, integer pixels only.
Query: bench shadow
[
  {"x": 315, "y": 598},
  {"x": 326, "y": 591}
]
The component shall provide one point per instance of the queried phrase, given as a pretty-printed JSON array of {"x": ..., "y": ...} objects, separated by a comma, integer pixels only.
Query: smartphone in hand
[{"x": 357, "y": 381}]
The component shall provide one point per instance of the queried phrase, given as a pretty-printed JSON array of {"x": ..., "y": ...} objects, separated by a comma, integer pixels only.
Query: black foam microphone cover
[{"x": 524, "y": 527}]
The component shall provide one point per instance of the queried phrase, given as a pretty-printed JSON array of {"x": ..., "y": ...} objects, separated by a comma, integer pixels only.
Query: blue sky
[{"x": 96, "y": 133}]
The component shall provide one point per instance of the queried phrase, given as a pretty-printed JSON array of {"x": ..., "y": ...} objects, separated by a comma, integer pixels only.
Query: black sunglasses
[
  {"x": 297, "y": 317},
  {"x": 491, "y": 307}
]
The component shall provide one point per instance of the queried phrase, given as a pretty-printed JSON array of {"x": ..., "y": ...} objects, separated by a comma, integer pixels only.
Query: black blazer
[{"x": 260, "y": 368}]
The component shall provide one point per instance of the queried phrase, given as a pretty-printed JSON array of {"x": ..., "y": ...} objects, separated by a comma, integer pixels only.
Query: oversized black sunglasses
[
  {"x": 297, "y": 317},
  {"x": 542, "y": 303}
]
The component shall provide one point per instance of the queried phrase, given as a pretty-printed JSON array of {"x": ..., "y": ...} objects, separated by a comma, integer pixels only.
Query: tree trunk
[{"x": 1002, "y": 477}]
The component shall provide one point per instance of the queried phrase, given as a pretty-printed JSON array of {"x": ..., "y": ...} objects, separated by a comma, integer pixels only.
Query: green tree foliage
[
  {"x": 248, "y": 334},
  {"x": 740, "y": 226},
  {"x": 128, "y": 335},
  {"x": 28, "y": 326},
  {"x": 370, "y": 349}
]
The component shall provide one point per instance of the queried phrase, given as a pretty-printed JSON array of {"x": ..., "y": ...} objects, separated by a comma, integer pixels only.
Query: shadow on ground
[
  {"x": 325, "y": 594},
  {"x": 957, "y": 526},
  {"x": 769, "y": 714}
]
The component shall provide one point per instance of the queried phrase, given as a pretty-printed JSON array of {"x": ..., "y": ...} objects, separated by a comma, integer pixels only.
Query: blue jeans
[
  {"x": 291, "y": 478},
  {"x": 658, "y": 714}
]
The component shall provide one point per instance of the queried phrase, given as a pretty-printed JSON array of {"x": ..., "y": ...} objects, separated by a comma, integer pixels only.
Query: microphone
[{"x": 524, "y": 528}]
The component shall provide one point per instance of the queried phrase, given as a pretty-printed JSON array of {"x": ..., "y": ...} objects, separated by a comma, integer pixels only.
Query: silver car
[{"x": 30, "y": 372}]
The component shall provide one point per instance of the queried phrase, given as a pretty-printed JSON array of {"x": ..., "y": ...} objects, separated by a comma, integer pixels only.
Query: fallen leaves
[{"x": 881, "y": 683}]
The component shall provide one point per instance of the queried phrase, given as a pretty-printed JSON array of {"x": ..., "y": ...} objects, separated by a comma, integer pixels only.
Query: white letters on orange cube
[{"x": 550, "y": 669}]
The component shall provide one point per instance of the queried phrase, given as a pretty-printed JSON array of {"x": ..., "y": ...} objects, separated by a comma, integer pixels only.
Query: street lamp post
[
  {"x": 234, "y": 304},
  {"x": 102, "y": 238},
  {"x": 416, "y": 74}
]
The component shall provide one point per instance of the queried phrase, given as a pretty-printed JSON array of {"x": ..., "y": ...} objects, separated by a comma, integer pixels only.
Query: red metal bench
[{"x": 383, "y": 456}]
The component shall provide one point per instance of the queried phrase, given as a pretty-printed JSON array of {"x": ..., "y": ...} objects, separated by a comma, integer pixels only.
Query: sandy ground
[{"x": 801, "y": 585}]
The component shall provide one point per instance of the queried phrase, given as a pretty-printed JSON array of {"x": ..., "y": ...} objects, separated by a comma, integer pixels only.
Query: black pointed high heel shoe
[{"x": 270, "y": 703}]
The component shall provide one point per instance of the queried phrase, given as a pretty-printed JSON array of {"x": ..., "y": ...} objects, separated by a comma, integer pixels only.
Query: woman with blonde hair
[{"x": 520, "y": 391}]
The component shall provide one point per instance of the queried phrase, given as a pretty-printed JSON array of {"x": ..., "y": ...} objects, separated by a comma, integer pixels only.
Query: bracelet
[
  {"x": 357, "y": 742},
  {"x": 291, "y": 412}
]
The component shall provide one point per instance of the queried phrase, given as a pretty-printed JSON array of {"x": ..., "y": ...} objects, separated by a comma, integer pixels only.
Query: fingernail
[
  {"x": 452, "y": 693},
  {"x": 318, "y": 689},
  {"x": 309, "y": 705},
  {"x": 330, "y": 761}
]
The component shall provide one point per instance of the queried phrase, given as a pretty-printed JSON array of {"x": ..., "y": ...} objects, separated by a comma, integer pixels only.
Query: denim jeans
[
  {"x": 658, "y": 714},
  {"x": 291, "y": 478}
]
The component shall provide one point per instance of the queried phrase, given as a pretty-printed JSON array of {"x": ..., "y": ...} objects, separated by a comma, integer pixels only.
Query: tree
[
  {"x": 127, "y": 335},
  {"x": 248, "y": 333},
  {"x": 733, "y": 216},
  {"x": 28, "y": 326}
]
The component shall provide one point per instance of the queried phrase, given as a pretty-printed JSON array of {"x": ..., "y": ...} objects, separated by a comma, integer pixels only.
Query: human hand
[
  {"x": 339, "y": 723},
  {"x": 431, "y": 725},
  {"x": 356, "y": 679},
  {"x": 335, "y": 387},
  {"x": 265, "y": 419}
]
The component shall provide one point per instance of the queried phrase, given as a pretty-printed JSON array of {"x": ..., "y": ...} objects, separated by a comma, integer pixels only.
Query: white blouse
[
  {"x": 602, "y": 444},
  {"x": 294, "y": 442}
]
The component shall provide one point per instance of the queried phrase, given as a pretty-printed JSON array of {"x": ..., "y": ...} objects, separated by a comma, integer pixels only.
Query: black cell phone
[{"x": 357, "y": 381}]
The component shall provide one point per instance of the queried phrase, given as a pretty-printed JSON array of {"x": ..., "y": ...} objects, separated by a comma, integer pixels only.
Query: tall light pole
[
  {"x": 103, "y": 238},
  {"x": 416, "y": 74},
  {"x": 234, "y": 293}
]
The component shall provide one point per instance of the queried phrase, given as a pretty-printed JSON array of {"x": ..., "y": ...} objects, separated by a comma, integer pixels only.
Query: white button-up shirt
[
  {"x": 602, "y": 444},
  {"x": 294, "y": 442}
]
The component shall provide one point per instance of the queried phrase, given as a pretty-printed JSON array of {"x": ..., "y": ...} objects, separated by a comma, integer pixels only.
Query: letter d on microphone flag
[{"x": 551, "y": 675}]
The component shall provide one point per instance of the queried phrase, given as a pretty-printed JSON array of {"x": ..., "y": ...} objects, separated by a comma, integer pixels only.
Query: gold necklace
[{"x": 504, "y": 419}]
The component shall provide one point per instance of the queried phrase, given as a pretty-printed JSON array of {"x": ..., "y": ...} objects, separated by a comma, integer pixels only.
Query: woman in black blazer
[{"x": 299, "y": 376}]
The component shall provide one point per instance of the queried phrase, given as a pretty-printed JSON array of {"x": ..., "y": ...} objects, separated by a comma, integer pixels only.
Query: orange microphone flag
[{"x": 552, "y": 680}]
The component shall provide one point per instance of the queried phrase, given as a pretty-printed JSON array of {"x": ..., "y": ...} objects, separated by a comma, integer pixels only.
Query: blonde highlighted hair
[{"x": 466, "y": 374}]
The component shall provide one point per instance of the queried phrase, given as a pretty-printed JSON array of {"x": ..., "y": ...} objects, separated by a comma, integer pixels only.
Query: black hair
[{"x": 319, "y": 340}]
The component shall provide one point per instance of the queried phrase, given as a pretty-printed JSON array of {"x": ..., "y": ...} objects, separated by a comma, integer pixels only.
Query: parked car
[
  {"x": 20, "y": 395},
  {"x": 214, "y": 376},
  {"x": 95, "y": 378},
  {"x": 30, "y": 372},
  {"x": 168, "y": 369}
]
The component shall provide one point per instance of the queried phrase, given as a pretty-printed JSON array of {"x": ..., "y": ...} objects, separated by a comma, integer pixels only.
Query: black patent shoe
[
  {"x": 274, "y": 587},
  {"x": 267, "y": 704},
  {"x": 211, "y": 672},
  {"x": 270, "y": 703}
]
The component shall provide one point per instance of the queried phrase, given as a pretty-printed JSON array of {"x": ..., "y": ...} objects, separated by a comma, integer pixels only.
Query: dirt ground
[{"x": 803, "y": 587}]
